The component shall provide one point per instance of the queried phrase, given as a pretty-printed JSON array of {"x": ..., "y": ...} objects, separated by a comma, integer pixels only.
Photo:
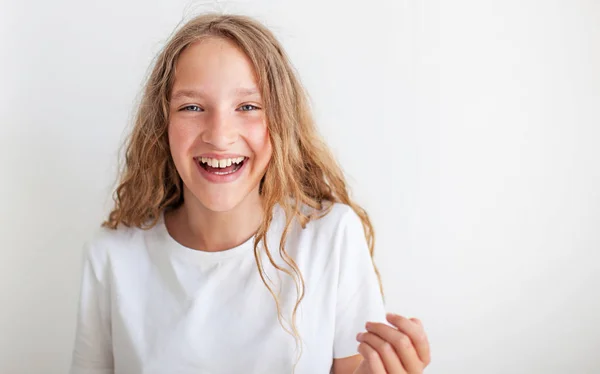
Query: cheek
[
  {"x": 179, "y": 137},
  {"x": 257, "y": 136}
]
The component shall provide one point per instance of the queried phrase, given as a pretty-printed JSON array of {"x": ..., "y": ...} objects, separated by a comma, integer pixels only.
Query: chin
[
  {"x": 221, "y": 202},
  {"x": 220, "y": 198}
]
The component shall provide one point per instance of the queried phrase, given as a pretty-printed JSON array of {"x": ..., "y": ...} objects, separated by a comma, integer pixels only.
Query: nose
[{"x": 220, "y": 131}]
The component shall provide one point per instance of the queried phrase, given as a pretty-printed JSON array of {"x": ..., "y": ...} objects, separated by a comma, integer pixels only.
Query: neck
[{"x": 197, "y": 227}]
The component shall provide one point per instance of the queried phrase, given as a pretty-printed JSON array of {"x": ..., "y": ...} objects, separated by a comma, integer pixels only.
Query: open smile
[{"x": 221, "y": 170}]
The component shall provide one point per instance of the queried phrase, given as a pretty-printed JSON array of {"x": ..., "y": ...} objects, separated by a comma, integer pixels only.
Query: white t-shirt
[{"x": 150, "y": 305}]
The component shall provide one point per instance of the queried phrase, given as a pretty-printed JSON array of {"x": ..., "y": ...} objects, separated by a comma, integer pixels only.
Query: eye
[
  {"x": 192, "y": 108},
  {"x": 248, "y": 107}
]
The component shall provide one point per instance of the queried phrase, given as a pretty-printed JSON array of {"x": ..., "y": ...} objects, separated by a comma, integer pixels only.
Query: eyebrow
[{"x": 193, "y": 94}]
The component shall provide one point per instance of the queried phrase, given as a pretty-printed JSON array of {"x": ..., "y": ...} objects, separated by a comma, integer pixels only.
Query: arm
[
  {"x": 391, "y": 344},
  {"x": 346, "y": 365},
  {"x": 358, "y": 298},
  {"x": 92, "y": 353}
]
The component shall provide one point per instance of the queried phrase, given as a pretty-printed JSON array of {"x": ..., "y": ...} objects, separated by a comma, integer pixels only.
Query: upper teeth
[{"x": 222, "y": 163}]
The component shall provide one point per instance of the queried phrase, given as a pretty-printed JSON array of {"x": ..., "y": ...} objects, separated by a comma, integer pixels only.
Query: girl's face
[{"x": 217, "y": 131}]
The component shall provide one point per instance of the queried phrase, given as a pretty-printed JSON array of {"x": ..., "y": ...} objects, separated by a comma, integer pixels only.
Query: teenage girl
[{"x": 233, "y": 246}]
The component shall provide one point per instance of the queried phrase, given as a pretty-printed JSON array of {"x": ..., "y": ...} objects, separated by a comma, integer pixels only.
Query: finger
[
  {"x": 372, "y": 358},
  {"x": 385, "y": 350},
  {"x": 402, "y": 344},
  {"x": 424, "y": 353},
  {"x": 415, "y": 332}
]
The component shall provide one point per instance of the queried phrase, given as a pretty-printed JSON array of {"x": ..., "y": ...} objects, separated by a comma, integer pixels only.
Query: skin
[
  {"x": 399, "y": 348},
  {"x": 216, "y": 108},
  {"x": 213, "y": 110}
]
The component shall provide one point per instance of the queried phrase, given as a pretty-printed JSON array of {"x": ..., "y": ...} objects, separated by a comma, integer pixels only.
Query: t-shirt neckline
[{"x": 194, "y": 255}]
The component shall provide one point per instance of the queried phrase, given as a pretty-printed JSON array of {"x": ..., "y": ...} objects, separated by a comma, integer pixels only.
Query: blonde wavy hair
[{"x": 302, "y": 170}]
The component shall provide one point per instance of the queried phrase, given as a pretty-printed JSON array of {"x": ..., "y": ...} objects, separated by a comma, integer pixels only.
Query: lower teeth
[
  {"x": 236, "y": 168},
  {"x": 224, "y": 173}
]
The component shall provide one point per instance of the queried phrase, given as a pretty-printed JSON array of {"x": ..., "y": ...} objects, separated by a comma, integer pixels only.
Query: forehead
[{"x": 214, "y": 62}]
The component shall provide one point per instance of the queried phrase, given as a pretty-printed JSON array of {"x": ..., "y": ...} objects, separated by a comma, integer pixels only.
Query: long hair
[{"x": 301, "y": 172}]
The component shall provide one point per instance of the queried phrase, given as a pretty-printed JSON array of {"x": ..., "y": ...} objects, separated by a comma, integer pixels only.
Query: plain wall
[{"x": 468, "y": 129}]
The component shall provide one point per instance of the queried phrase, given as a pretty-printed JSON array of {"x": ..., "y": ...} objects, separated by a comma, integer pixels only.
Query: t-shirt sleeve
[
  {"x": 359, "y": 297},
  {"x": 92, "y": 353}
]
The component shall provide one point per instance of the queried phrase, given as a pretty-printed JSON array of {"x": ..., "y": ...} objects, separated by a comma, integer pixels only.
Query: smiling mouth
[{"x": 222, "y": 166}]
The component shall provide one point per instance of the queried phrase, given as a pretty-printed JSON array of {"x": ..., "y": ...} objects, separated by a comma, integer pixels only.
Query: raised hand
[{"x": 399, "y": 349}]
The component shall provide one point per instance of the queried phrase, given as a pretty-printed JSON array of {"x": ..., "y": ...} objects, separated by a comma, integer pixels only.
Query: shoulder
[
  {"x": 338, "y": 220},
  {"x": 330, "y": 230},
  {"x": 105, "y": 243}
]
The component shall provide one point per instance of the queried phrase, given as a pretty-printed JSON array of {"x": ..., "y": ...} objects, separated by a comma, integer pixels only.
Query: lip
[{"x": 228, "y": 178}]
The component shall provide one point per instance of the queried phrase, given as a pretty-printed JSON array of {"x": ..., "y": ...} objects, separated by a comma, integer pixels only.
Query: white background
[{"x": 469, "y": 130}]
